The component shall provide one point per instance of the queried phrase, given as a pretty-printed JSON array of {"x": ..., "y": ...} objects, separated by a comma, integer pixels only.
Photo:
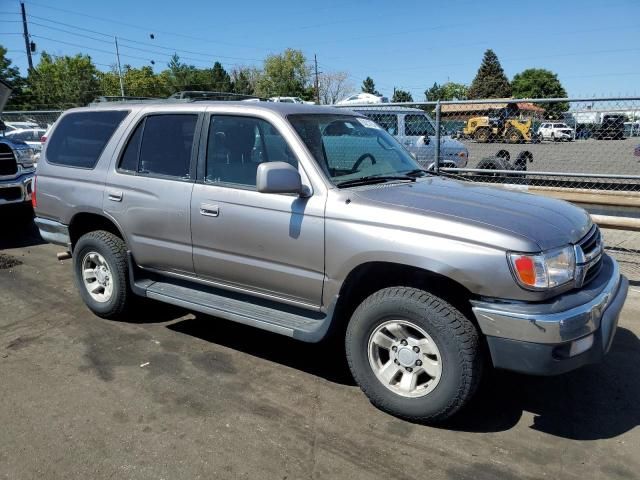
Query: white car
[
  {"x": 31, "y": 136},
  {"x": 363, "y": 98},
  {"x": 12, "y": 126},
  {"x": 556, "y": 131},
  {"x": 290, "y": 100}
]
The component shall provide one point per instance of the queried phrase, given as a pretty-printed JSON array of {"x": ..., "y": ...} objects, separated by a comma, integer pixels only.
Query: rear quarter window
[{"x": 80, "y": 137}]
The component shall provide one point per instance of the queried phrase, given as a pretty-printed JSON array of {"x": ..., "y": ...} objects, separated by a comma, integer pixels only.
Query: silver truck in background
[{"x": 17, "y": 163}]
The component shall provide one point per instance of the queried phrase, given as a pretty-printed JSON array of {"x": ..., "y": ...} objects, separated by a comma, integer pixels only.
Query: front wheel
[
  {"x": 101, "y": 273},
  {"x": 413, "y": 354}
]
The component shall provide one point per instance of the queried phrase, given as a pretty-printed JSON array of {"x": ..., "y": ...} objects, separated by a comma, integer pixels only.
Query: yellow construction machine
[{"x": 495, "y": 129}]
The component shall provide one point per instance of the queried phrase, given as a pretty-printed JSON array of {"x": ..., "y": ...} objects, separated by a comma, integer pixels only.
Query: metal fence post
[{"x": 437, "y": 145}]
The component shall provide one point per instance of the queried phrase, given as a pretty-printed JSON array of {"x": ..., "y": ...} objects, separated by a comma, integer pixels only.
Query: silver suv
[{"x": 314, "y": 222}]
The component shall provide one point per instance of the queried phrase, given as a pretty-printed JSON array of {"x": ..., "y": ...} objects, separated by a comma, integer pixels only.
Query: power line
[
  {"x": 150, "y": 29},
  {"x": 146, "y": 50}
]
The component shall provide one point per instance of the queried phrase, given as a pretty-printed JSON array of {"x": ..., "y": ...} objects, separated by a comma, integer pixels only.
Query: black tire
[
  {"x": 513, "y": 136},
  {"x": 455, "y": 336},
  {"x": 113, "y": 250},
  {"x": 482, "y": 135}
]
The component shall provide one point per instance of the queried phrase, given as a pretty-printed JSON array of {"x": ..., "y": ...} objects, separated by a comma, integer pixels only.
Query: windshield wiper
[
  {"x": 418, "y": 172},
  {"x": 372, "y": 179}
]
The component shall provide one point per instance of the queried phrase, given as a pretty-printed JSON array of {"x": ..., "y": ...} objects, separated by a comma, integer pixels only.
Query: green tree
[
  {"x": 284, "y": 74},
  {"x": 11, "y": 75},
  {"x": 447, "y": 91},
  {"x": 138, "y": 82},
  {"x": 540, "y": 83},
  {"x": 180, "y": 76},
  {"x": 401, "y": 96},
  {"x": 63, "y": 82},
  {"x": 241, "y": 80},
  {"x": 220, "y": 79},
  {"x": 368, "y": 86},
  {"x": 490, "y": 81},
  {"x": 245, "y": 80}
]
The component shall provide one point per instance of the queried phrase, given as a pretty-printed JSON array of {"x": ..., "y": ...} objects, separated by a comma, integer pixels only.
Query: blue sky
[{"x": 594, "y": 46}]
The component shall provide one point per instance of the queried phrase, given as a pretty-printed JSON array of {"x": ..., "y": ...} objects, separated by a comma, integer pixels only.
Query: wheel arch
[
  {"x": 85, "y": 222},
  {"x": 369, "y": 277}
]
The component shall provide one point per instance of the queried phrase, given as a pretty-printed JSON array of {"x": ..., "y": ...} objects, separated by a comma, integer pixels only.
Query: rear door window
[
  {"x": 167, "y": 143},
  {"x": 80, "y": 138},
  {"x": 418, "y": 126},
  {"x": 386, "y": 120}
]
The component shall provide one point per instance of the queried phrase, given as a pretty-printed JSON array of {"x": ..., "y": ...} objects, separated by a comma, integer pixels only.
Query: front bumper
[
  {"x": 16, "y": 190},
  {"x": 540, "y": 338}
]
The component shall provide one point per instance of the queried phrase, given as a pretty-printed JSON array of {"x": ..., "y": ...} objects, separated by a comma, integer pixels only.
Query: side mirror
[
  {"x": 426, "y": 140},
  {"x": 278, "y": 177}
]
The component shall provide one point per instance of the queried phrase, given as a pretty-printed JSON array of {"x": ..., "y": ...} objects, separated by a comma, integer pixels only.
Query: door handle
[
  {"x": 209, "y": 210},
  {"x": 115, "y": 196}
]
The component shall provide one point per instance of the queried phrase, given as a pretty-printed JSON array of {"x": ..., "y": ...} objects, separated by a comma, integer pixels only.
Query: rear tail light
[
  {"x": 34, "y": 201},
  {"x": 43, "y": 138}
]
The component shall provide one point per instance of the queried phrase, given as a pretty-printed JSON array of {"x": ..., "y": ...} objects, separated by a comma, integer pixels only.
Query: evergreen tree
[
  {"x": 241, "y": 83},
  {"x": 490, "y": 81},
  {"x": 221, "y": 81},
  {"x": 401, "y": 96},
  {"x": 368, "y": 86}
]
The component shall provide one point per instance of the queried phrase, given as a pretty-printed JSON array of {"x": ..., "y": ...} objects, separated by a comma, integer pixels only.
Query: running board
[{"x": 302, "y": 324}]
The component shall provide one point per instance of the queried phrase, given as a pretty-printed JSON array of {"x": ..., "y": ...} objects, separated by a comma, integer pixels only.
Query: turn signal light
[{"x": 526, "y": 270}]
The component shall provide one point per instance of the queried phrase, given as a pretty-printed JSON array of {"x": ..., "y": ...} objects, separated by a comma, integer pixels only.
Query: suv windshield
[{"x": 350, "y": 148}]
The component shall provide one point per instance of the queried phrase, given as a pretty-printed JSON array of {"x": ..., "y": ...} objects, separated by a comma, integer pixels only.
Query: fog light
[{"x": 580, "y": 346}]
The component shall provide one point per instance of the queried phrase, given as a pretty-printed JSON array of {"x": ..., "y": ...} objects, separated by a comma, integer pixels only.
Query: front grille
[
  {"x": 8, "y": 165},
  {"x": 11, "y": 193},
  {"x": 589, "y": 256}
]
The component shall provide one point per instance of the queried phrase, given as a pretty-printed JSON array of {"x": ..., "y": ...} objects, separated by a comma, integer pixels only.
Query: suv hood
[{"x": 547, "y": 222}]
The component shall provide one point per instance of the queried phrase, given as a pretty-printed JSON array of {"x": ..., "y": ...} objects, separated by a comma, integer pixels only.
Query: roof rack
[{"x": 196, "y": 95}]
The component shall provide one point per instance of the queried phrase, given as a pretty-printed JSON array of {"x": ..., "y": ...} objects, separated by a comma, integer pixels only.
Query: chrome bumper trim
[{"x": 552, "y": 328}]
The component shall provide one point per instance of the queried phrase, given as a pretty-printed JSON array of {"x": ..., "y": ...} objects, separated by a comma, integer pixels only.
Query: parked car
[
  {"x": 314, "y": 222},
  {"x": 363, "y": 98},
  {"x": 31, "y": 136},
  {"x": 17, "y": 163},
  {"x": 555, "y": 131},
  {"x": 290, "y": 100},
  {"x": 11, "y": 126},
  {"x": 414, "y": 129},
  {"x": 611, "y": 128}
]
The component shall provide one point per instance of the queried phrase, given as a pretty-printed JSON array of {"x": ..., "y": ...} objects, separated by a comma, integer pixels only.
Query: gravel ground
[{"x": 170, "y": 394}]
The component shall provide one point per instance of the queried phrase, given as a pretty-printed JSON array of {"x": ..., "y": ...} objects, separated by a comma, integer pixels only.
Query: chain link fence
[{"x": 37, "y": 118}]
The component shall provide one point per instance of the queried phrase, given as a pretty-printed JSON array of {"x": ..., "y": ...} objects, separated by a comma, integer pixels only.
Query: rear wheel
[
  {"x": 513, "y": 136},
  {"x": 482, "y": 135},
  {"x": 101, "y": 273},
  {"x": 413, "y": 354}
]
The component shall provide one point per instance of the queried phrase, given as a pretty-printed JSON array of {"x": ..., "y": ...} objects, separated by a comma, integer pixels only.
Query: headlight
[
  {"x": 543, "y": 270},
  {"x": 25, "y": 156}
]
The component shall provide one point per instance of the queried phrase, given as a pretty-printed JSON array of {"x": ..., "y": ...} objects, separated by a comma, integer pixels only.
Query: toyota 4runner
[{"x": 314, "y": 222}]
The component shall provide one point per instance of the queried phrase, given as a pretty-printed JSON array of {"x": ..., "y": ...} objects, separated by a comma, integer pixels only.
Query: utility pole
[
  {"x": 119, "y": 69},
  {"x": 315, "y": 61},
  {"x": 27, "y": 41}
]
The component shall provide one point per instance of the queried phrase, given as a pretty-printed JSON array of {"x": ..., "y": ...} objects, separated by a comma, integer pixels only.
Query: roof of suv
[{"x": 281, "y": 108}]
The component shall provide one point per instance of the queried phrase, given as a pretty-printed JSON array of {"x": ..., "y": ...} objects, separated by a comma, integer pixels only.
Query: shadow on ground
[
  {"x": 595, "y": 402},
  {"x": 325, "y": 360},
  {"x": 18, "y": 227}
]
